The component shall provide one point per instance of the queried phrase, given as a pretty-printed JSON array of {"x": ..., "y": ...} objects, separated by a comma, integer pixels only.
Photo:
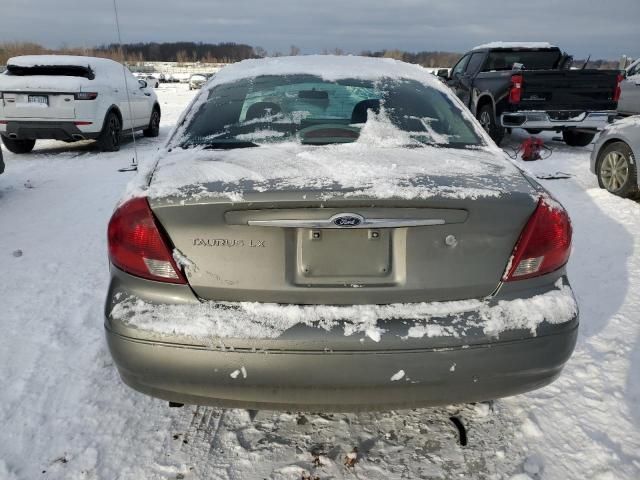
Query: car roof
[
  {"x": 515, "y": 45},
  {"x": 66, "y": 60},
  {"x": 327, "y": 67}
]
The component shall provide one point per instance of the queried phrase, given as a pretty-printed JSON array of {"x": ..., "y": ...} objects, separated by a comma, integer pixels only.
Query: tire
[
  {"x": 577, "y": 139},
  {"x": 109, "y": 138},
  {"x": 153, "y": 130},
  {"x": 18, "y": 146},
  {"x": 616, "y": 170},
  {"x": 488, "y": 121},
  {"x": 533, "y": 131}
]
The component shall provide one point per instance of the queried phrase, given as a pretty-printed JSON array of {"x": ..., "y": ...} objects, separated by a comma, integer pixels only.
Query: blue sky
[{"x": 604, "y": 29}]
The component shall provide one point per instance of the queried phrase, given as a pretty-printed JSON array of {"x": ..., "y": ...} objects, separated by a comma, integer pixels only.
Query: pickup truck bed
[{"x": 504, "y": 94}]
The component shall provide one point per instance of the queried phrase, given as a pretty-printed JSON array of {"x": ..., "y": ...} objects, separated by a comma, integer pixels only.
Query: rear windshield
[
  {"x": 310, "y": 110},
  {"x": 52, "y": 70},
  {"x": 530, "y": 59}
]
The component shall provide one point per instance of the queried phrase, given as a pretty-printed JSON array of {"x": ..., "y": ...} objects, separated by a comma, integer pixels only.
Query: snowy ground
[{"x": 64, "y": 414}]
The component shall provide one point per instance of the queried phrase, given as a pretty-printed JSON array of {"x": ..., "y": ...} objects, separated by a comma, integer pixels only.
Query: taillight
[
  {"x": 617, "y": 91},
  {"x": 137, "y": 246},
  {"x": 544, "y": 244},
  {"x": 515, "y": 93},
  {"x": 85, "y": 95}
]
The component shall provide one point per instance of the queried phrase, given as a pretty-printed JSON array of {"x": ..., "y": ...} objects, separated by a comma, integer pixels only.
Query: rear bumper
[
  {"x": 43, "y": 130},
  {"x": 340, "y": 381},
  {"x": 557, "y": 120}
]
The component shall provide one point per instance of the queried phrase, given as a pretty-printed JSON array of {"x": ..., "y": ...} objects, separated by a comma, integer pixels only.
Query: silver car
[
  {"x": 614, "y": 155},
  {"x": 629, "y": 103},
  {"x": 336, "y": 234}
]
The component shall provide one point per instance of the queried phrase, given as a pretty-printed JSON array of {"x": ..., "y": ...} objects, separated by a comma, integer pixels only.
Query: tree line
[{"x": 229, "y": 52}]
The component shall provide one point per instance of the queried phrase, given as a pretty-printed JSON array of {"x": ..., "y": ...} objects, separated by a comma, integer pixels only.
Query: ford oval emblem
[{"x": 347, "y": 220}]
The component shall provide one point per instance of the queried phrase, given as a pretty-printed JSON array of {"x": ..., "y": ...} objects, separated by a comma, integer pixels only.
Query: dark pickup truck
[{"x": 532, "y": 86}]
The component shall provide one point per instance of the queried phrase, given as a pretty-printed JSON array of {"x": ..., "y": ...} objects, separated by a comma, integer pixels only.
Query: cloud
[{"x": 602, "y": 29}]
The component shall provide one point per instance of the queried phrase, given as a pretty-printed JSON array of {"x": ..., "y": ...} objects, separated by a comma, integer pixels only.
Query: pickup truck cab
[
  {"x": 73, "y": 98},
  {"x": 531, "y": 85}
]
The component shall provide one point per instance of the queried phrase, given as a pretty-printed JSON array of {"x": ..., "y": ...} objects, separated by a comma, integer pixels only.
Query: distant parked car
[
  {"x": 73, "y": 98},
  {"x": 629, "y": 103},
  {"x": 197, "y": 81},
  {"x": 615, "y": 156},
  {"x": 336, "y": 233},
  {"x": 152, "y": 81},
  {"x": 530, "y": 85}
]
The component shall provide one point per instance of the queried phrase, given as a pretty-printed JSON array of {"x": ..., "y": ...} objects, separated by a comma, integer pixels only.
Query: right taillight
[
  {"x": 137, "y": 245},
  {"x": 515, "y": 92},
  {"x": 617, "y": 91},
  {"x": 544, "y": 244}
]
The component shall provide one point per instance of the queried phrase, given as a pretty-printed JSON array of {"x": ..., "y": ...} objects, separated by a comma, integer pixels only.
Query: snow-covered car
[
  {"x": 197, "y": 81},
  {"x": 614, "y": 157},
  {"x": 336, "y": 233},
  {"x": 73, "y": 98}
]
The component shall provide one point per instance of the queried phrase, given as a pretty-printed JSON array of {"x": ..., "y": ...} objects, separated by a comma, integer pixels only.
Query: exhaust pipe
[
  {"x": 13, "y": 135},
  {"x": 76, "y": 136}
]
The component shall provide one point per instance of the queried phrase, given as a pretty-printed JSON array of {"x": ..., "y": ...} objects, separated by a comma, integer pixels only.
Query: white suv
[{"x": 73, "y": 98}]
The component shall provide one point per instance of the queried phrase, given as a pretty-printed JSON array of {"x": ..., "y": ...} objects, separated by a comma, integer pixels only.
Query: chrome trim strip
[{"x": 366, "y": 223}]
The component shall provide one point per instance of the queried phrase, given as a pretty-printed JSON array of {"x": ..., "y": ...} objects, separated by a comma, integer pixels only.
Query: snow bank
[{"x": 209, "y": 321}]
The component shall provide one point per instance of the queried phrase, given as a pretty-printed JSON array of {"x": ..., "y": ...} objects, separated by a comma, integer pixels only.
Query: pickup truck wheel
[
  {"x": 577, "y": 139},
  {"x": 18, "y": 146},
  {"x": 488, "y": 121},
  {"x": 616, "y": 170},
  {"x": 153, "y": 130},
  {"x": 109, "y": 138}
]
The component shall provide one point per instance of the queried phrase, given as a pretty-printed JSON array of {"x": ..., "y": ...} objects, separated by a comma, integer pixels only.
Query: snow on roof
[
  {"x": 515, "y": 45},
  {"x": 66, "y": 60},
  {"x": 328, "y": 67}
]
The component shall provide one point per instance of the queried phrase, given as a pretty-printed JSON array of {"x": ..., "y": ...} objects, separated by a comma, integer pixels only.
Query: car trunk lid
[{"x": 444, "y": 231}]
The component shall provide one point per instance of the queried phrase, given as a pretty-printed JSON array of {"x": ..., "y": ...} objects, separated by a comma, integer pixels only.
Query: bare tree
[{"x": 293, "y": 51}]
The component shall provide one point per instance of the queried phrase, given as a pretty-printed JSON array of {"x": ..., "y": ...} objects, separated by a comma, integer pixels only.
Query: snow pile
[{"x": 209, "y": 321}]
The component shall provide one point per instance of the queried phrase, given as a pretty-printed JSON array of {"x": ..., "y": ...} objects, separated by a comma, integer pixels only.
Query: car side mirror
[
  {"x": 443, "y": 73},
  {"x": 142, "y": 83}
]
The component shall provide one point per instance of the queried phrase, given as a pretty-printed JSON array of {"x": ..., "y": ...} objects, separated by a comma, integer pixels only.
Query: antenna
[{"x": 134, "y": 161}]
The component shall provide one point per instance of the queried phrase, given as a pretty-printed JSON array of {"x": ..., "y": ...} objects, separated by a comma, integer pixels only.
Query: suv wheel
[
  {"x": 577, "y": 139},
  {"x": 109, "y": 138},
  {"x": 153, "y": 130},
  {"x": 18, "y": 146},
  {"x": 488, "y": 121},
  {"x": 616, "y": 170}
]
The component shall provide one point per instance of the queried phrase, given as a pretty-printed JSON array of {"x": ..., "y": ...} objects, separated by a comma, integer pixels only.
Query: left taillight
[
  {"x": 138, "y": 246},
  {"x": 544, "y": 244},
  {"x": 618, "y": 90},
  {"x": 515, "y": 92},
  {"x": 85, "y": 95}
]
